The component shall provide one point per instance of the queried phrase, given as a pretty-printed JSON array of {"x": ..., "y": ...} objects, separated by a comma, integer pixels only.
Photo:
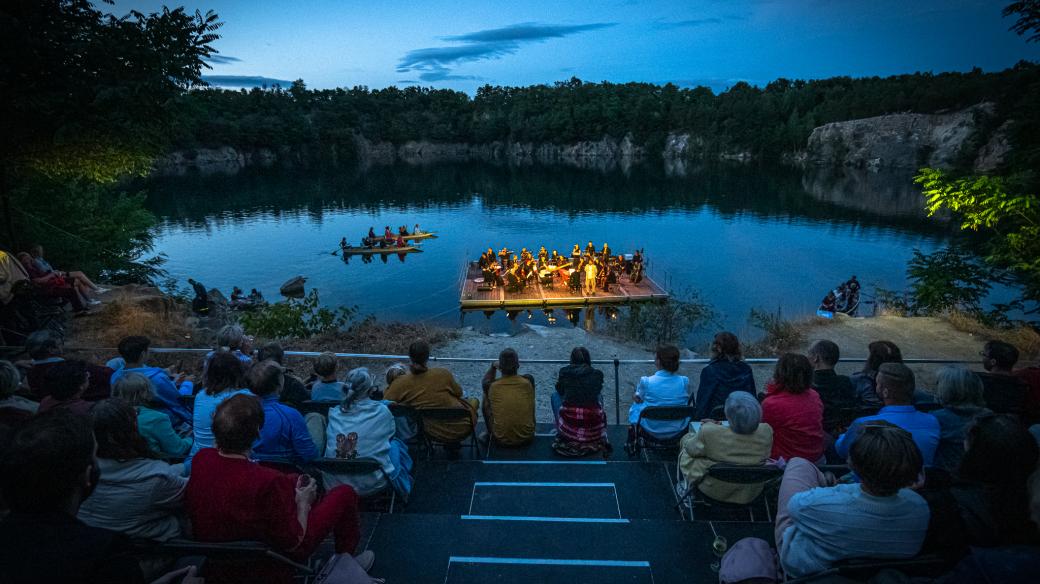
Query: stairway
[{"x": 529, "y": 516}]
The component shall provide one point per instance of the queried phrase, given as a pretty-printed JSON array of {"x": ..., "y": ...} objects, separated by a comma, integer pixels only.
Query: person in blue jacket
[
  {"x": 726, "y": 373},
  {"x": 134, "y": 351}
]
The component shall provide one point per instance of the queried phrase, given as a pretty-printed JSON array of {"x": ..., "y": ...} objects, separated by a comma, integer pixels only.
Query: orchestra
[{"x": 582, "y": 273}]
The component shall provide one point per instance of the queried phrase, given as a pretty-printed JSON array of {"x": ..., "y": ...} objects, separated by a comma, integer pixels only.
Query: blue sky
[{"x": 464, "y": 44}]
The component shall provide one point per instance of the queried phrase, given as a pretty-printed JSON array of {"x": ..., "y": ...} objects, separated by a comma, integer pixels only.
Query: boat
[
  {"x": 379, "y": 250},
  {"x": 418, "y": 236}
]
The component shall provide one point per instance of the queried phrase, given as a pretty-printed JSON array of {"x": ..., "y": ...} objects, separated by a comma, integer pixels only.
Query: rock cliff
[{"x": 907, "y": 140}]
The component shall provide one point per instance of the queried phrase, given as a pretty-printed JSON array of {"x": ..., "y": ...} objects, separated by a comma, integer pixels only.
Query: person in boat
[
  {"x": 400, "y": 242},
  {"x": 255, "y": 297},
  {"x": 852, "y": 285},
  {"x": 372, "y": 233},
  {"x": 830, "y": 302},
  {"x": 387, "y": 234},
  {"x": 416, "y": 230}
]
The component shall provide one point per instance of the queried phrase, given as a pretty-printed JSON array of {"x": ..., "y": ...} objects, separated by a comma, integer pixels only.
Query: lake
[{"x": 742, "y": 236}]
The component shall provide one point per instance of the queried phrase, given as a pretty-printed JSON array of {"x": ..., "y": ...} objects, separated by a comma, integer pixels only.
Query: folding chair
[
  {"x": 447, "y": 415},
  {"x": 643, "y": 440},
  {"x": 742, "y": 474},
  {"x": 362, "y": 467}
]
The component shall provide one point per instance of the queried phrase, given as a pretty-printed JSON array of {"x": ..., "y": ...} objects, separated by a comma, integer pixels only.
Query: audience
[
  {"x": 153, "y": 424},
  {"x": 13, "y": 407},
  {"x": 66, "y": 382},
  {"x": 577, "y": 404},
  {"x": 794, "y": 410},
  {"x": 724, "y": 374},
  {"x": 224, "y": 378},
  {"x": 880, "y": 517},
  {"x": 53, "y": 285},
  {"x": 987, "y": 504},
  {"x": 663, "y": 388},
  {"x": 45, "y": 350},
  {"x": 134, "y": 351},
  {"x": 47, "y": 471},
  {"x": 959, "y": 392},
  {"x": 1003, "y": 391},
  {"x": 230, "y": 497},
  {"x": 285, "y": 435},
  {"x": 232, "y": 339},
  {"x": 327, "y": 387},
  {"x": 746, "y": 441},
  {"x": 406, "y": 426},
  {"x": 363, "y": 427},
  {"x": 863, "y": 382},
  {"x": 136, "y": 494},
  {"x": 509, "y": 401},
  {"x": 79, "y": 280},
  {"x": 835, "y": 391},
  {"x": 895, "y": 387},
  {"x": 294, "y": 392},
  {"x": 423, "y": 387}
]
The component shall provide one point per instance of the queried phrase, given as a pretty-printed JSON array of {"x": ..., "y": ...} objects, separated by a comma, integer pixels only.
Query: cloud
[
  {"x": 222, "y": 59},
  {"x": 437, "y": 63},
  {"x": 244, "y": 81},
  {"x": 695, "y": 22}
]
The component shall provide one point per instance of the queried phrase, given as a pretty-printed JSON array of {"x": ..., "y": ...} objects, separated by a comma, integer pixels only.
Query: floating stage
[{"x": 625, "y": 292}]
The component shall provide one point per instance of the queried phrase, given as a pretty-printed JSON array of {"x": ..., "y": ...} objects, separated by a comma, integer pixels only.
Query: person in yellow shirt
[
  {"x": 509, "y": 401},
  {"x": 423, "y": 387}
]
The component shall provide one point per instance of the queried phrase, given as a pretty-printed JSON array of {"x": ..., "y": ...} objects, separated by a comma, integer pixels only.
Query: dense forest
[{"x": 765, "y": 121}]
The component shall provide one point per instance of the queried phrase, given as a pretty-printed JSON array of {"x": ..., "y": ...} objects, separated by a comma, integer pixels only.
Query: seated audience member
[
  {"x": 1003, "y": 391},
  {"x": 724, "y": 374},
  {"x": 232, "y": 498},
  {"x": 835, "y": 390},
  {"x": 137, "y": 494},
  {"x": 294, "y": 393},
  {"x": 794, "y": 410},
  {"x": 423, "y": 387},
  {"x": 663, "y": 388},
  {"x": 153, "y": 424},
  {"x": 895, "y": 385},
  {"x": 46, "y": 472},
  {"x": 285, "y": 435},
  {"x": 53, "y": 285},
  {"x": 82, "y": 283},
  {"x": 363, "y": 427},
  {"x": 864, "y": 382},
  {"x": 746, "y": 441},
  {"x": 232, "y": 339},
  {"x": 224, "y": 378},
  {"x": 1031, "y": 377},
  {"x": 327, "y": 387},
  {"x": 987, "y": 503},
  {"x": 134, "y": 351},
  {"x": 879, "y": 517},
  {"x": 581, "y": 423},
  {"x": 406, "y": 427},
  {"x": 66, "y": 382},
  {"x": 13, "y": 407},
  {"x": 509, "y": 401},
  {"x": 44, "y": 348},
  {"x": 959, "y": 391}
]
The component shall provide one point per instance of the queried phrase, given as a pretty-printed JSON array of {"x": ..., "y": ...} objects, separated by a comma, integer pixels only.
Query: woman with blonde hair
[{"x": 153, "y": 424}]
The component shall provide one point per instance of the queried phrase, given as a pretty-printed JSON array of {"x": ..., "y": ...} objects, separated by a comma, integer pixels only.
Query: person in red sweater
[
  {"x": 794, "y": 410},
  {"x": 230, "y": 497}
]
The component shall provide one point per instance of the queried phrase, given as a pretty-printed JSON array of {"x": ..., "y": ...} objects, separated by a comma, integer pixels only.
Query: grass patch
[
  {"x": 134, "y": 311},
  {"x": 781, "y": 335},
  {"x": 1025, "y": 338}
]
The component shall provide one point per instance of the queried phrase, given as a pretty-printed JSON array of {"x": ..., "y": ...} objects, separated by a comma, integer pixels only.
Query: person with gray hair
[
  {"x": 743, "y": 439},
  {"x": 45, "y": 349},
  {"x": 232, "y": 338},
  {"x": 153, "y": 424},
  {"x": 363, "y": 427},
  {"x": 960, "y": 393},
  {"x": 10, "y": 379}
]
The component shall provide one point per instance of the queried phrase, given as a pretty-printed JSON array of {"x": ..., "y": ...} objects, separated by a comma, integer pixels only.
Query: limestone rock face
[
  {"x": 995, "y": 152},
  {"x": 899, "y": 140}
]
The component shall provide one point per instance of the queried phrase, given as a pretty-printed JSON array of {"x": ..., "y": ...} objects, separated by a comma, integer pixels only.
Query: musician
[
  {"x": 590, "y": 249},
  {"x": 543, "y": 256},
  {"x": 606, "y": 251},
  {"x": 637, "y": 268},
  {"x": 576, "y": 252},
  {"x": 503, "y": 256},
  {"x": 591, "y": 272}
]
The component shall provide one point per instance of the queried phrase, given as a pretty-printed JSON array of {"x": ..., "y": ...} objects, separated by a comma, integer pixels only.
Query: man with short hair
[
  {"x": 880, "y": 517},
  {"x": 44, "y": 348},
  {"x": 67, "y": 381},
  {"x": 895, "y": 387},
  {"x": 294, "y": 392},
  {"x": 134, "y": 351},
  {"x": 1004, "y": 392},
  {"x": 424, "y": 387},
  {"x": 835, "y": 391},
  {"x": 509, "y": 401},
  {"x": 46, "y": 472}
]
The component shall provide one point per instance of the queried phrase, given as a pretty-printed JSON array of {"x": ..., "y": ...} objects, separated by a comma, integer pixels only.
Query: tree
[
  {"x": 85, "y": 94},
  {"x": 1028, "y": 22}
]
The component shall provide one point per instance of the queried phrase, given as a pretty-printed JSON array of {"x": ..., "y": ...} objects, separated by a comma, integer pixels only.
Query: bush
[
  {"x": 781, "y": 335},
  {"x": 948, "y": 279},
  {"x": 663, "y": 323},
  {"x": 303, "y": 317}
]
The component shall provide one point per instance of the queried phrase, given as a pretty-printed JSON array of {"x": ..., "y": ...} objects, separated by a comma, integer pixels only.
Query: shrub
[
  {"x": 302, "y": 317},
  {"x": 659, "y": 323}
]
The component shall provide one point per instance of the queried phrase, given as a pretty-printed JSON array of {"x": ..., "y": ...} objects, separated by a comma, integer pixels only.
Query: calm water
[{"x": 744, "y": 237}]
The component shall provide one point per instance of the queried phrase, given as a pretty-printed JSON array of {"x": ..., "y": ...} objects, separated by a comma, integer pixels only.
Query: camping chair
[
  {"x": 644, "y": 440},
  {"x": 447, "y": 415},
  {"x": 362, "y": 467},
  {"x": 862, "y": 569},
  {"x": 741, "y": 474}
]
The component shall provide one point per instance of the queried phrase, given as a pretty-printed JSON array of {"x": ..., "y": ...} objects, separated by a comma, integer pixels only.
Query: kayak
[
  {"x": 419, "y": 236},
  {"x": 368, "y": 250}
]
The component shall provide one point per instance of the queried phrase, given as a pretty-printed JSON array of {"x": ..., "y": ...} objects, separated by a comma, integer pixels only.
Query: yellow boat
[{"x": 419, "y": 236}]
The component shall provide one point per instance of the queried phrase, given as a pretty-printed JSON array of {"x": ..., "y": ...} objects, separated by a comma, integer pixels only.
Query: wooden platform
[{"x": 537, "y": 296}]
